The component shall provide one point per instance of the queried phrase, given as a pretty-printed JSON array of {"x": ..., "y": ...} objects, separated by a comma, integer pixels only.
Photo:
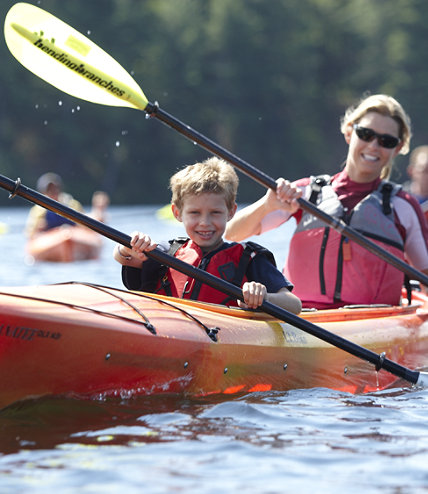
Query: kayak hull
[
  {"x": 65, "y": 244},
  {"x": 90, "y": 341}
]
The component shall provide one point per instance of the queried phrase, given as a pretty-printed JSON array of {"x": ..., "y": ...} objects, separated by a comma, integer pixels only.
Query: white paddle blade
[{"x": 71, "y": 62}]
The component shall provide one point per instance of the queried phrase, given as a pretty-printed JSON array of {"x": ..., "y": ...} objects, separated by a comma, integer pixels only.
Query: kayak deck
[{"x": 91, "y": 341}]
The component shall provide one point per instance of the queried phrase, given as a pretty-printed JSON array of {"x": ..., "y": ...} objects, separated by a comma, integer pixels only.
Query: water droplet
[
  {"x": 59, "y": 103},
  {"x": 78, "y": 108},
  {"x": 103, "y": 439},
  {"x": 124, "y": 132},
  {"x": 88, "y": 32},
  {"x": 117, "y": 144},
  {"x": 36, "y": 106},
  {"x": 72, "y": 110},
  {"x": 45, "y": 122}
]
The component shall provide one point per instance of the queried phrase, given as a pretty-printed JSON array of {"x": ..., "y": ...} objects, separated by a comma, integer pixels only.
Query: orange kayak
[
  {"x": 90, "y": 341},
  {"x": 65, "y": 244}
]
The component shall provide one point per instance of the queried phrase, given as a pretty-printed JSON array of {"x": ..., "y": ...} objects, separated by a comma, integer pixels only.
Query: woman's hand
[{"x": 284, "y": 197}]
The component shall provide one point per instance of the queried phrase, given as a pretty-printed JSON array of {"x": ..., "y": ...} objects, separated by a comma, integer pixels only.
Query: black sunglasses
[{"x": 384, "y": 140}]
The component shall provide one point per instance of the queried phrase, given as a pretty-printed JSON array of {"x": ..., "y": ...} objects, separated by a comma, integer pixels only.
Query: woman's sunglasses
[{"x": 384, "y": 140}]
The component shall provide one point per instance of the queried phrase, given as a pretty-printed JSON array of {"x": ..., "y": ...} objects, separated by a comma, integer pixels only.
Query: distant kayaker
[
  {"x": 40, "y": 219},
  {"x": 203, "y": 199},
  {"x": 100, "y": 203},
  {"x": 328, "y": 270},
  {"x": 418, "y": 173}
]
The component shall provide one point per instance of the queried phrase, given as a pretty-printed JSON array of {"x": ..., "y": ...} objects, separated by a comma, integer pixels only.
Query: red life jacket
[
  {"x": 229, "y": 262},
  {"x": 329, "y": 270}
]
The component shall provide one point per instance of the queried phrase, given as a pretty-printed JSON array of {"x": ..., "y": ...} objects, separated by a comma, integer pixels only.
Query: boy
[{"x": 203, "y": 199}]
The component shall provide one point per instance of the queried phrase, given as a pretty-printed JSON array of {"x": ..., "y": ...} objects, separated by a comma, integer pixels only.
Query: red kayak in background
[{"x": 65, "y": 244}]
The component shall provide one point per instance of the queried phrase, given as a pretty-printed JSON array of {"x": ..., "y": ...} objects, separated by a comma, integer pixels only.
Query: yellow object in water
[{"x": 165, "y": 213}]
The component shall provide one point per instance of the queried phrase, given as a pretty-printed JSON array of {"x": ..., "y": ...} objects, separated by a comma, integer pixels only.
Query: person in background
[
  {"x": 40, "y": 219},
  {"x": 203, "y": 199},
  {"x": 418, "y": 173},
  {"x": 100, "y": 203},
  {"x": 327, "y": 269}
]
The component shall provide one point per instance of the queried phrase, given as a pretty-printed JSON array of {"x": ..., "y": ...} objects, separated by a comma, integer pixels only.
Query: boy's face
[{"x": 204, "y": 217}]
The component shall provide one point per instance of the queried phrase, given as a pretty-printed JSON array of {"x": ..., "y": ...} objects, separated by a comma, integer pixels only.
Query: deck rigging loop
[
  {"x": 146, "y": 322},
  {"x": 211, "y": 332},
  {"x": 74, "y": 306}
]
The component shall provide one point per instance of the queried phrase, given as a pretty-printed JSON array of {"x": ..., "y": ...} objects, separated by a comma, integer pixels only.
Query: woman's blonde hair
[
  {"x": 387, "y": 106},
  {"x": 212, "y": 175}
]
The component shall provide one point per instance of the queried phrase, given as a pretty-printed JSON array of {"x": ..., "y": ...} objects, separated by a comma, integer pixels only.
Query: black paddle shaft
[
  {"x": 17, "y": 188},
  {"x": 154, "y": 110}
]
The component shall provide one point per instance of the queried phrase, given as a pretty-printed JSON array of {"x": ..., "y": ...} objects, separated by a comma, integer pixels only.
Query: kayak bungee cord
[{"x": 211, "y": 332}]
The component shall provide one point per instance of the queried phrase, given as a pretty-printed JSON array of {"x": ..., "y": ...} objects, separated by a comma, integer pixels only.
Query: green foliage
[{"x": 269, "y": 80}]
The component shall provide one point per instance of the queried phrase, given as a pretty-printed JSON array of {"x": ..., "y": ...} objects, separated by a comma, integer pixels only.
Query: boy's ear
[
  {"x": 176, "y": 212},
  {"x": 232, "y": 212}
]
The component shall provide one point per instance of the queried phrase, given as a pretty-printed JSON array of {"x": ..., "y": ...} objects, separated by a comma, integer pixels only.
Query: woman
[{"x": 327, "y": 270}]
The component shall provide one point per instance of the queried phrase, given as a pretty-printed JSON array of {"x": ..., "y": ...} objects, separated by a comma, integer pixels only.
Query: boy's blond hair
[{"x": 212, "y": 175}]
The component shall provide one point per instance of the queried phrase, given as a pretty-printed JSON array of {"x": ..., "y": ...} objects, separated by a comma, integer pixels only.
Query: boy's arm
[
  {"x": 285, "y": 299},
  {"x": 255, "y": 294},
  {"x": 127, "y": 257},
  {"x": 266, "y": 282}
]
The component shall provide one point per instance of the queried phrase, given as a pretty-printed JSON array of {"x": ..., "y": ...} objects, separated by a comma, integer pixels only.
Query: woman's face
[{"x": 366, "y": 160}]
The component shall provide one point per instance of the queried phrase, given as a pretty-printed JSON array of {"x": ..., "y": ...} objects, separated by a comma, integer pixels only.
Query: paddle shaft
[
  {"x": 16, "y": 188},
  {"x": 155, "y": 111}
]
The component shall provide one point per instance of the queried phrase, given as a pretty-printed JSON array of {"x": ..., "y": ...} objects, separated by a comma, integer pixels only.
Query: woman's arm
[{"x": 248, "y": 221}]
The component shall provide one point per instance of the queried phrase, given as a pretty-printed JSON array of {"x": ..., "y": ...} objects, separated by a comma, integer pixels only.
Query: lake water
[{"x": 302, "y": 441}]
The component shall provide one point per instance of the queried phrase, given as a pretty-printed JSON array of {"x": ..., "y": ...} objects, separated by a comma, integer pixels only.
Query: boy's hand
[
  {"x": 254, "y": 293},
  {"x": 141, "y": 242}
]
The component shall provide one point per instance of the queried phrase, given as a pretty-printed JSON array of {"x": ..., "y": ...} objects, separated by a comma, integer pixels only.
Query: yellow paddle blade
[{"x": 71, "y": 62}]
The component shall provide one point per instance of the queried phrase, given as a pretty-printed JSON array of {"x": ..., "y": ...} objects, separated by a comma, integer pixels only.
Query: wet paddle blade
[
  {"x": 422, "y": 380},
  {"x": 63, "y": 57}
]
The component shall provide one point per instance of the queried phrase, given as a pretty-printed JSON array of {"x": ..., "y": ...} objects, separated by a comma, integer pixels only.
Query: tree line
[{"x": 268, "y": 80}]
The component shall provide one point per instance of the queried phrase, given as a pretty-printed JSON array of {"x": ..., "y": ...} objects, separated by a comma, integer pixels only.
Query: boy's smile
[{"x": 204, "y": 217}]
